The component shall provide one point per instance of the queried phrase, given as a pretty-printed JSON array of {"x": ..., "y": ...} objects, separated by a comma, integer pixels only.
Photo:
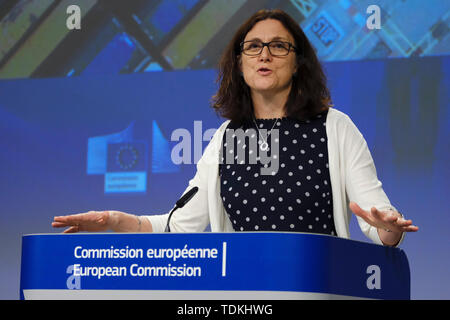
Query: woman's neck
[{"x": 269, "y": 106}]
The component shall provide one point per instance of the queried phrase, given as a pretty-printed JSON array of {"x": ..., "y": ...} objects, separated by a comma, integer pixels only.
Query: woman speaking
[{"x": 284, "y": 159}]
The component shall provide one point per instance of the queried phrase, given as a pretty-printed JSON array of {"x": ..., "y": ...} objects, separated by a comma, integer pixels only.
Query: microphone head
[{"x": 186, "y": 197}]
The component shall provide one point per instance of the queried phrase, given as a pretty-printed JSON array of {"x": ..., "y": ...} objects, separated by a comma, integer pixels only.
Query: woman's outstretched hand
[
  {"x": 100, "y": 221},
  {"x": 92, "y": 221},
  {"x": 386, "y": 220}
]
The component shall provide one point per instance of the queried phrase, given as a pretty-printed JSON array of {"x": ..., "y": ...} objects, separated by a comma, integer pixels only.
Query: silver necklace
[{"x": 264, "y": 146}]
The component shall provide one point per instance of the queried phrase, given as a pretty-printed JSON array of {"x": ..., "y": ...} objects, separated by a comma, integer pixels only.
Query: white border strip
[{"x": 39, "y": 294}]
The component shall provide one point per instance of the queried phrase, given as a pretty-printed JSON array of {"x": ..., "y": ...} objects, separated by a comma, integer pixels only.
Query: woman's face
[{"x": 265, "y": 73}]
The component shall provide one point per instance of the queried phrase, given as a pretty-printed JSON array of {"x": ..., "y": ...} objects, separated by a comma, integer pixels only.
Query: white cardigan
[{"x": 352, "y": 173}]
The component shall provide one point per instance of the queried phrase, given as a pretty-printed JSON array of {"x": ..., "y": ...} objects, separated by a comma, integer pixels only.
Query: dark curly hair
[{"x": 309, "y": 94}]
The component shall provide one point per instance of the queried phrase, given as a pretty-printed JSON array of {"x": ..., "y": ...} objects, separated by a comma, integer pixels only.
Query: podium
[{"x": 210, "y": 266}]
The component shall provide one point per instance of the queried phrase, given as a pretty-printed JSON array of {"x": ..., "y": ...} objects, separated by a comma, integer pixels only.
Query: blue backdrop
[{"x": 68, "y": 145}]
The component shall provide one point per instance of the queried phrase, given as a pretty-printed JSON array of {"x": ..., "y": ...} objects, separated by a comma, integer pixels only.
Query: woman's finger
[
  {"x": 83, "y": 218},
  {"x": 59, "y": 224},
  {"x": 410, "y": 229},
  {"x": 356, "y": 209},
  {"x": 365, "y": 215},
  {"x": 403, "y": 223},
  {"x": 384, "y": 216},
  {"x": 92, "y": 221},
  {"x": 72, "y": 229},
  {"x": 391, "y": 220},
  {"x": 70, "y": 219},
  {"x": 406, "y": 225}
]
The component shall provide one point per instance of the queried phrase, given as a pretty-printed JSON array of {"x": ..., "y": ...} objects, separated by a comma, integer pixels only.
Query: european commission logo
[
  {"x": 124, "y": 160},
  {"x": 126, "y": 167}
]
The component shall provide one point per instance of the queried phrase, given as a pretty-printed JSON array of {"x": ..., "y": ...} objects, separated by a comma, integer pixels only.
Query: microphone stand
[{"x": 180, "y": 204}]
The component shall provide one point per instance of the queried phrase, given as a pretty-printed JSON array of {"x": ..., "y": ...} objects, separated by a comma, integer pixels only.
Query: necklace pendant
[{"x": 264, "y": 146}]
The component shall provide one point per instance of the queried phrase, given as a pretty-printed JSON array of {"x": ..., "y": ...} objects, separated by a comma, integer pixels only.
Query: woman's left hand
[{"x": 386, "y": 220}]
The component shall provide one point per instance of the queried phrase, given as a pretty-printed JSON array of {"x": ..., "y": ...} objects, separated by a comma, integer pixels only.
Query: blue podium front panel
[{"x": 256, "y": 265}]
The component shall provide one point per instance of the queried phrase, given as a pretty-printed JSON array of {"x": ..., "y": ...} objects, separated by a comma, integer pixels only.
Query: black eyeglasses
[{"x": 276, "y": 48}]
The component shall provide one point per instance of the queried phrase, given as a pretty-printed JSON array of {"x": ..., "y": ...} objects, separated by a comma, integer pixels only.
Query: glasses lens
[
  {"x": 279, "y": 48},
  {"x": 252, "y": 47}
]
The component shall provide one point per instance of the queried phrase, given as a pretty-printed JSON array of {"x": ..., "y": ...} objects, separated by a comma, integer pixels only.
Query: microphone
[{"x": 180, "y": 204}]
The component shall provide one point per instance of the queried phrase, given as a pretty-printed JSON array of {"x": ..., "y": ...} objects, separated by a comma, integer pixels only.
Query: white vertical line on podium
[{"x": 224, "y": 259}]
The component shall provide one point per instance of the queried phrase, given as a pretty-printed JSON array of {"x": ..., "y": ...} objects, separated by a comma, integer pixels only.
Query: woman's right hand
[
  {"x": 92, "y": 221},
  {"x": 100, "y": 221}
]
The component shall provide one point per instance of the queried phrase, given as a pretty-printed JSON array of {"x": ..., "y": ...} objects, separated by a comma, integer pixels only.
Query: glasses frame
[{"x": 267, "y": 44}]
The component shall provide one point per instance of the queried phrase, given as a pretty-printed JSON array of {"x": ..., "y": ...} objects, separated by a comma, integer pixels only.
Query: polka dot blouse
[{"x": 293, "y": 196}]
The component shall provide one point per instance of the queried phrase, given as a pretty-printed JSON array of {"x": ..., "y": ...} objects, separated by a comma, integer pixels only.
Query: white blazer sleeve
[{"x": 362, "y": 184}]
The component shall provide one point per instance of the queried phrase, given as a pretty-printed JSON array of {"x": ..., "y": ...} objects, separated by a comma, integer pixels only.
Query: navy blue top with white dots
[{"x": 294, "y": 194}]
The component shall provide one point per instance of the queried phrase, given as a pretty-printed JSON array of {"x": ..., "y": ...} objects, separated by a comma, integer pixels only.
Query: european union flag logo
[
  {"x": 126, "y": 167},
  {"x": 124, "y": 161},
  {"x": 127, "y": 156}
]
